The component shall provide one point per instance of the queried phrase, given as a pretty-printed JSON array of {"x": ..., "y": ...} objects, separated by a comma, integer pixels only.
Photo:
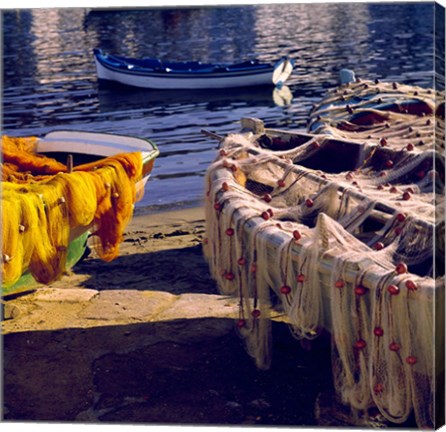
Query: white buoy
[{"x": 347, "y": 76}]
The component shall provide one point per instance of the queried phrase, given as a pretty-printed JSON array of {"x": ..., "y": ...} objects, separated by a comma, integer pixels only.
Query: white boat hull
[
  {"x": 164, "y": 81},
  {"x": 100, "y": 144}
]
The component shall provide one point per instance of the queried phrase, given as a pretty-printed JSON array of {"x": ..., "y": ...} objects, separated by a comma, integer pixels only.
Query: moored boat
[
  {"x": 341, "y": 229},
  {"x": 61, "y": 189},
  {"x": 156, "y": 74}
]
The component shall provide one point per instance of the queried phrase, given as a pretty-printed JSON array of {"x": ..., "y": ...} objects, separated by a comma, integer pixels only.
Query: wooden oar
[
  {"x": 212, "y": 135},
  {"x": 257, "y": 127}
]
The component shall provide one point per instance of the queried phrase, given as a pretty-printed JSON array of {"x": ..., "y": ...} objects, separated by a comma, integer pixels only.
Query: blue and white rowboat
[{"x": 156, "y": 74}]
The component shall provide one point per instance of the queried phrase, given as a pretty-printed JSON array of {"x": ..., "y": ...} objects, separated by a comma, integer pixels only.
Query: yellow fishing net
[{"x": 44, "y": 207}]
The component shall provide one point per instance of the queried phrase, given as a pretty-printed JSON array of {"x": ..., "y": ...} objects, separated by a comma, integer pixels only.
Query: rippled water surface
[{"x": 50, "y": 81}]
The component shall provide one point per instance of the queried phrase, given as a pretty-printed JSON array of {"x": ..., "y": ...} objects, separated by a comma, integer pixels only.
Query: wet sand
[{"x": 147, "y": 339}]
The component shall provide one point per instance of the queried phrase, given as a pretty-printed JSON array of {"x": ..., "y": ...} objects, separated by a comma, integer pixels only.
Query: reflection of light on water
[
  {"x": 50, "y": 43},
  {"x": 331, "y": 25}
]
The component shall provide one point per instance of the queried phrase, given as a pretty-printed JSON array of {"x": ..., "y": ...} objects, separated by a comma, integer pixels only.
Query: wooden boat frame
[
  {"x": 383, "y": 212},
  {"x": 342, "y": 230}
]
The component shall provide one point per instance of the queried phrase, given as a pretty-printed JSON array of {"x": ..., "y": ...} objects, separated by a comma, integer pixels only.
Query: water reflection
[
  {"x": 57, "y": 45},
  {"x": 179, "y": 34},
  {"x": 114, "y": 97}
]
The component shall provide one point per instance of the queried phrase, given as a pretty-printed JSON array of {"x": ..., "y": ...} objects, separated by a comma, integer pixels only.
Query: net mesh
[
  {"x": 350, "y": 250},
  {"x": 43, "y": 206}
]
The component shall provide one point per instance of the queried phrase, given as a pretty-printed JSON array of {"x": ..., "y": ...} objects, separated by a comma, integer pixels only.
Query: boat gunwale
[
  {"x": 277, "y": 236},
  {"x": 211, "y": 70},
  {"x": 185, "y": 75}
]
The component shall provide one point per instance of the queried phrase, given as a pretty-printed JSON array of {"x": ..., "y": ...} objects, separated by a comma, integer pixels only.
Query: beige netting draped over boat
[{"x": 349, "y": 249}]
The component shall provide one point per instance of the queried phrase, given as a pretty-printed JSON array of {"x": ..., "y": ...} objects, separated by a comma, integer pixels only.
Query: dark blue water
[{"x": 49, "y": 77}]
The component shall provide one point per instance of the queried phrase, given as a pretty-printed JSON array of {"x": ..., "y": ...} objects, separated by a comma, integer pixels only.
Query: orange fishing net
[
  {"x": 21, "y": 161},
  {"x": 44, "y": 207}
]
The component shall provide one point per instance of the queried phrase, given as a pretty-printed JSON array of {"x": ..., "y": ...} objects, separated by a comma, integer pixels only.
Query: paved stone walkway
[{"x": 63, "y": 308}]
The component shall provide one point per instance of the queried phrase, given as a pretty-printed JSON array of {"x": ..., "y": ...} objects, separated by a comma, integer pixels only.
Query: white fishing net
[{"x": 349, "y": 250}]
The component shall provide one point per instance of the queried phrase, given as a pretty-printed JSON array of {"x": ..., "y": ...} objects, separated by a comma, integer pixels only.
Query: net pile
[
  {"x": 399, "y": 116},
  {"x": 43, "y": 206},
  {"x": 349, "y": 251}
]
